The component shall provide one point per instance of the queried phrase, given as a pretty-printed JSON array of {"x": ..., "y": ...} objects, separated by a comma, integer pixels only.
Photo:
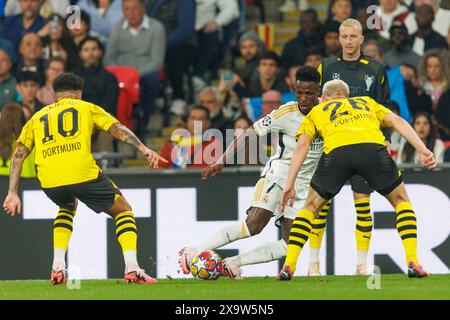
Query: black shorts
[
  {"x": 369, "y": 160},
  {"x": 98, "y": 194},
  {"x": 359, "y": 185}
]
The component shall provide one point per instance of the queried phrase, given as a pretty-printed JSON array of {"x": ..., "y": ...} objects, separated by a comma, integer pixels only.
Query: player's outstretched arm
[
  {"x": 426, "y": 156},
  {"x": 298, "y": 158},
  {"x": 12, "y": 204},
  {"x": 216, "y": 168},
  {"x": 122, "y": 133}
]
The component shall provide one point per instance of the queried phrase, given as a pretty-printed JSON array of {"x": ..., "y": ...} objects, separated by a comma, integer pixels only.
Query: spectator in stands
[
  {"x": 8, "y": 47},
  {"x": 389, "y": 11},
  {"x": 418, "y": 99},
  {"x": 58, "y": 42},
  {"x": 441, "y": 21},
  {"x": 289, "y": 79},
  {"x": 211, "y": 98},
  {"x": 311, "y": 33},
  {"x": 250, "y": 47},
  {"x": 100, "y": 86},
  {"x": 30, "y": 50},
  {"x": 434, "y": 74},
  {"x": 211, "y": 15},
  {"x": 105, "y": 14},
  {"x": 271, "y": 100},
  {"x": 371, "y": 33},
  {"x": 27, "y": 87},
  {"x": 53, "y": 68},
  {"x": 267, "y": 77},
  {"x": 47, "y": 8},
  {"x": 7, "y": 80},
  {"x": 241, "y": 124},
  {"x": 11, "y": 123},
  {"x": 331, "y": 39},
  {"x": 139, "y": 41},
  {"x": 178, "y": 18},
  {"x": 341, "y": 10},
  {"x": 400, "y": 52},
  {"x": 84, "y": 30},
  {"x": 442, "y": 116},
  {"x": 426, "y": 37},
  {"x": 191, "y": 149},
  {"x": 423, "y": 126},
  {"x": 314, "y": 56},
  {"x": 29, "y": 20},
  {"x": 395, "y": 79}
]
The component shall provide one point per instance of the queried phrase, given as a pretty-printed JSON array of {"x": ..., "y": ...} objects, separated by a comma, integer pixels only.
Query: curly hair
[
  {"x": 11, "y": 122},
  {"x": 443, "y": 57}
]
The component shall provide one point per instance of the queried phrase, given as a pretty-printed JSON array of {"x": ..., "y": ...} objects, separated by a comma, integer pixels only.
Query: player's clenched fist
[
  {"x": 211, "y": 170},
  {"x": 12, "y": 204}
]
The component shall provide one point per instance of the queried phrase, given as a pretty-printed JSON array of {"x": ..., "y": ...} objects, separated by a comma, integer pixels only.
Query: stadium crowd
[{"x": 197, "y": 60}]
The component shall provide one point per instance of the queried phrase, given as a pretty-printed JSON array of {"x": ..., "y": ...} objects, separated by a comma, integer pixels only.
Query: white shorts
[{"x": 267, "y": 195}]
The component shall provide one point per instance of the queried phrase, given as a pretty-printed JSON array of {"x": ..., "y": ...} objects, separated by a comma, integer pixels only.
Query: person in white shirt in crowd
[
  {"x": 48, "y": 7},
  {"x": 441, "y": 21},
  {"x": 211, "y": 16},
  {"x": 422, "y": 124},
  {"x": 388, "y": 11}
]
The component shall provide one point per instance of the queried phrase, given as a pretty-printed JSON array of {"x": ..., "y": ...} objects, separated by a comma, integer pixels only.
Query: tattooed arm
[
  {"x": 122, "y": 133},
  {"x": 12, "y": 204}
]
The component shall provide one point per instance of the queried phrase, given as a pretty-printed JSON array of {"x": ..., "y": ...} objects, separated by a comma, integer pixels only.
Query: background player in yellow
[
  {"x": 61, "y": 134},
  {"x": 353, "y": 145}
]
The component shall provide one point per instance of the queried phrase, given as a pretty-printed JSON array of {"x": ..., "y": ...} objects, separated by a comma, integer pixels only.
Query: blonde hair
[
  {"x": 351, "y": 23},
  {"x": 335, "y": 89}
]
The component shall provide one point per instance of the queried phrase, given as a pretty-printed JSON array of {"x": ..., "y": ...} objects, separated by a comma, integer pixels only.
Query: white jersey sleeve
[{"x": 275, "y": 121}]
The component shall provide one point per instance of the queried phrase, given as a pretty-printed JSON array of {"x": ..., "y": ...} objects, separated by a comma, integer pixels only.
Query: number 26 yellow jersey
[
  {"x": 61, "y": 134},
  {"x": 344, "y": 122}
]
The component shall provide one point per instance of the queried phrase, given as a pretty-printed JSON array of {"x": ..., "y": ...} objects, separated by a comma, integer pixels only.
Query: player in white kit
[{"x": 284, "y": 121}]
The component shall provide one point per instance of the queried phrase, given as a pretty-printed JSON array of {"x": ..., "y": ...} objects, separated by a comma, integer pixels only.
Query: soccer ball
[{"x": 207, "y": 265}]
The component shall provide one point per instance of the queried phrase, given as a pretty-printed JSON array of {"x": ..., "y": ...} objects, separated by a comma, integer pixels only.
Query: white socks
[
  {"x": 225, "y": 236},
  {"x": 314, "y": 256},
  {"x": 131, "y": 263},
  {"x": 268, "y": 252},
  {"x": 361, "y": 258},
  {"x": 59, "y": 259}
]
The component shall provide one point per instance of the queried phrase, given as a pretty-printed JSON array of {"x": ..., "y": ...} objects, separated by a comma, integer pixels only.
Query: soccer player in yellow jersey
[
  {"x": 353, "y": 145},
  {"x": 61, "y": 134}
]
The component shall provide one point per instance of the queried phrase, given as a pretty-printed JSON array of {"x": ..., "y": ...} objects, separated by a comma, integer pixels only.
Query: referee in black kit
[{"x": 365, "y": 77}]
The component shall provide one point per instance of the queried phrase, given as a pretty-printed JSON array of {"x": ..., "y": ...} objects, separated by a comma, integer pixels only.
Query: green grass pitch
[{"x": 326, "y": 287}]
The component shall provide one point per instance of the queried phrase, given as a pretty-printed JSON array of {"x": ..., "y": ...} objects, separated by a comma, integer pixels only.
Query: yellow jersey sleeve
[
  {"x": 27, "y": 135},
  {"x": 381, "y": 111},
  {"x": 102, "y": 119},
  {"x": 307, "y": 127}
]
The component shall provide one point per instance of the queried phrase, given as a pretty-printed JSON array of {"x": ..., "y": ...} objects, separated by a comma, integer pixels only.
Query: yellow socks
[
  {"x": 300, "y": 231},
  {"x": 318, "y": 227},
  {"x": 364, "y": 224},
  {"x": 126, "y": 231},
  {"x": 62, "y": 231},
  {"x": 407, "y": 229},
  {"x": 62, "y": 228}
]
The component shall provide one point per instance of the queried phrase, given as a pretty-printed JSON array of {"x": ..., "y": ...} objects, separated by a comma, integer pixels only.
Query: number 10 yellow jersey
[{"x": 61, "y": 133}]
